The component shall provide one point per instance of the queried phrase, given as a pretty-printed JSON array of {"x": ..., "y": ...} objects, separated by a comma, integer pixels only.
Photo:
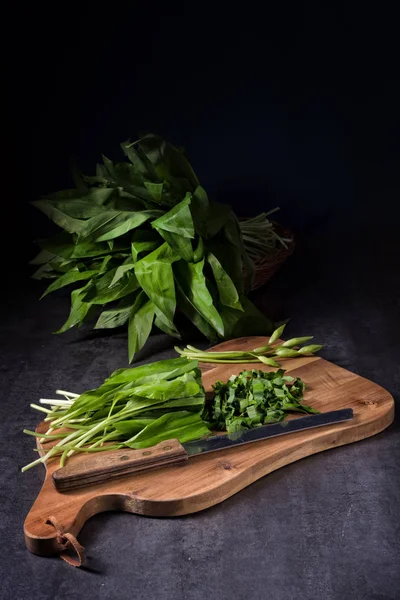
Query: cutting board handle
[{"x": 99, "y": 467}]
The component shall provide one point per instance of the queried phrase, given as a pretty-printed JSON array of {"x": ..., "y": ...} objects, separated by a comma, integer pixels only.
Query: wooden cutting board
[{"x": 209, "y": 479}]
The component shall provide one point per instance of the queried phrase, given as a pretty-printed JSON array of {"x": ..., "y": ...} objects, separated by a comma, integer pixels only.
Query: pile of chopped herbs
[
  {"x": 255, "y": 398},
  {"x": 142, "y": 237},
  {"x": 134, "y": 408}
]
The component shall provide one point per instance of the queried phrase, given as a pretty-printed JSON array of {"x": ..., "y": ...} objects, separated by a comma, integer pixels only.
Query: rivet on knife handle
[{"x": 96, "y": 469}]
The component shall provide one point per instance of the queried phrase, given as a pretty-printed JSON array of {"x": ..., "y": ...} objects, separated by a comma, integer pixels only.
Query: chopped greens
[{"x": 255, "y": 398}]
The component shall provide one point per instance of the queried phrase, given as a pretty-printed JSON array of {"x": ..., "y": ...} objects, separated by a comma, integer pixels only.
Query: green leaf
[
  {"x": 140, "y": 324},
  {"x": 198, "y": 253},
  {"x": 155, "y": 189},
  {"x": 250, "y": 321},
  {"x": 79, "y": 309},
  {"x": 63, "y": 245},
  {"x": 181, "y": 245},
  {"x": 58, "y": 217},
  {"x": 78, "y": 209},
  {"x": 113, "y": 318},
  {"x": 62, "y": 265},
  {"x": 144, "y": 241},
  {"x": 100, "y": 292},
  {"x": 230, "y": 258},
  {"x": 185, "y": 385},
  {"x": 104, "y": 263},
  {"x": 194, "y": 285},
  {"x": 234, "y": 236},
  {"x": 133, "y": 426},
  {"x": 191, "y": 312},
  {"x": 140, "y": 161},
  {"x": 45, "y": 271},
  {"x": 120, "y": 272},
  {"x": 228, "y": 293},
  {"x": 43, "y": 257},
  {"x": 112, "y": 224},
  {"x": 177, "y": 220},
  {"x": 68, "y": 278},
  {"x": 100, "y": 196},
  {"x": 162, "y": 369},
  {"x": 200, "y": 211},
  {"x": 155, "y": 275},
  {"x": 109, "y": 167},
  {"x": 138, "y": 247},
  {"x": 164, "y": 324},
  {"x": 182, "y": 425}
]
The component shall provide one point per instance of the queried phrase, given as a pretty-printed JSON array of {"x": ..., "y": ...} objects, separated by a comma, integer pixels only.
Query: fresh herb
[
  {"x": 135, "y": 408},
  {"x": 255, "y": 398},
  {"x": 265, "y": 354},
  {"x": 141, "y": 238}
]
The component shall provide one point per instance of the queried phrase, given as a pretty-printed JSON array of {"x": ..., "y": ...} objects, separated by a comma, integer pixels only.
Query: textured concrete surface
[{"x": 325, "y": 528}]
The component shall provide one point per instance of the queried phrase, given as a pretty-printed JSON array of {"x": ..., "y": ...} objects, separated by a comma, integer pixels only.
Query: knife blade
[{"x": 117, "y": 463}]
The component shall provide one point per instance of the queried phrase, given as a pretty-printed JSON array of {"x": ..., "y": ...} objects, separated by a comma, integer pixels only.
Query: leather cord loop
[{"x": 67, "y": 541}]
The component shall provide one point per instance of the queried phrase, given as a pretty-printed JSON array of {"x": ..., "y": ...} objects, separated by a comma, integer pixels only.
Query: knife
[{"x": 118, "y": 463}]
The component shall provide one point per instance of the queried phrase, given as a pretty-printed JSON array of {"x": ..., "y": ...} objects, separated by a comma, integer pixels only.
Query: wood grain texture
[
  {"x": 101, "y": 467},
  {"x": 209, "y": 479}
]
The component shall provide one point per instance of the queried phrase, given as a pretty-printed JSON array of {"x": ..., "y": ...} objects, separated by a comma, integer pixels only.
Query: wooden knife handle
[{"x": 101, "y": 467}]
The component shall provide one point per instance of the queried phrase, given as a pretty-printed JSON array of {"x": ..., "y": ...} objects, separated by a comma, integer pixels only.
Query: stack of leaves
[
  {"x": 134, "y": 408},
  {"x": 142, "y": 237},
  {"x": 255, "y": 398}
]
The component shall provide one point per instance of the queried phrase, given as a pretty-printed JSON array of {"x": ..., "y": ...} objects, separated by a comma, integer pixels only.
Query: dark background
[{"x": 291, "y": 106}]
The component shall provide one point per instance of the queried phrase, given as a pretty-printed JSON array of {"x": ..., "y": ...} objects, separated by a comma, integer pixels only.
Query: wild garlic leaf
[
  {"x": 58, "y": 217},
  {"x": 120, "y": 272},
  {"x": 181, "y": 425},
  {"x": 79, "y": 309},
  {"x": 155, "y": 276},
  {"x": 140, "y": 323},
  {"x": 112, "y": 224},
  {"x": 43, "y": 257},
  {"x": 227, "y": 291},
  {"x": 177, "y": 220},
  {"x": 78, "y": 209},
  {"x": 113, "y": 318},
  {"x": 139, "y": 160},
  {"x": 180, "y": 244},
  {"x": 100, "y": 292},
  {"x": 164, "y": 324},
  {"x": 194, "y": 285},
  {"x": 71, "y": 276},
  {"x": 155, "y": 189},
  {"x": 192, "y": 313}
]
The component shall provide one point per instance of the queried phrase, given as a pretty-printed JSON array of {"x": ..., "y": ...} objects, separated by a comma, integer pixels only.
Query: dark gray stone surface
[{"x": 324, "y": 528}]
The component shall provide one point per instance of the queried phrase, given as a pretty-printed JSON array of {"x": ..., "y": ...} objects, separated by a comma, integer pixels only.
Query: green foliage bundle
[{"x": 141, "y": 238}]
